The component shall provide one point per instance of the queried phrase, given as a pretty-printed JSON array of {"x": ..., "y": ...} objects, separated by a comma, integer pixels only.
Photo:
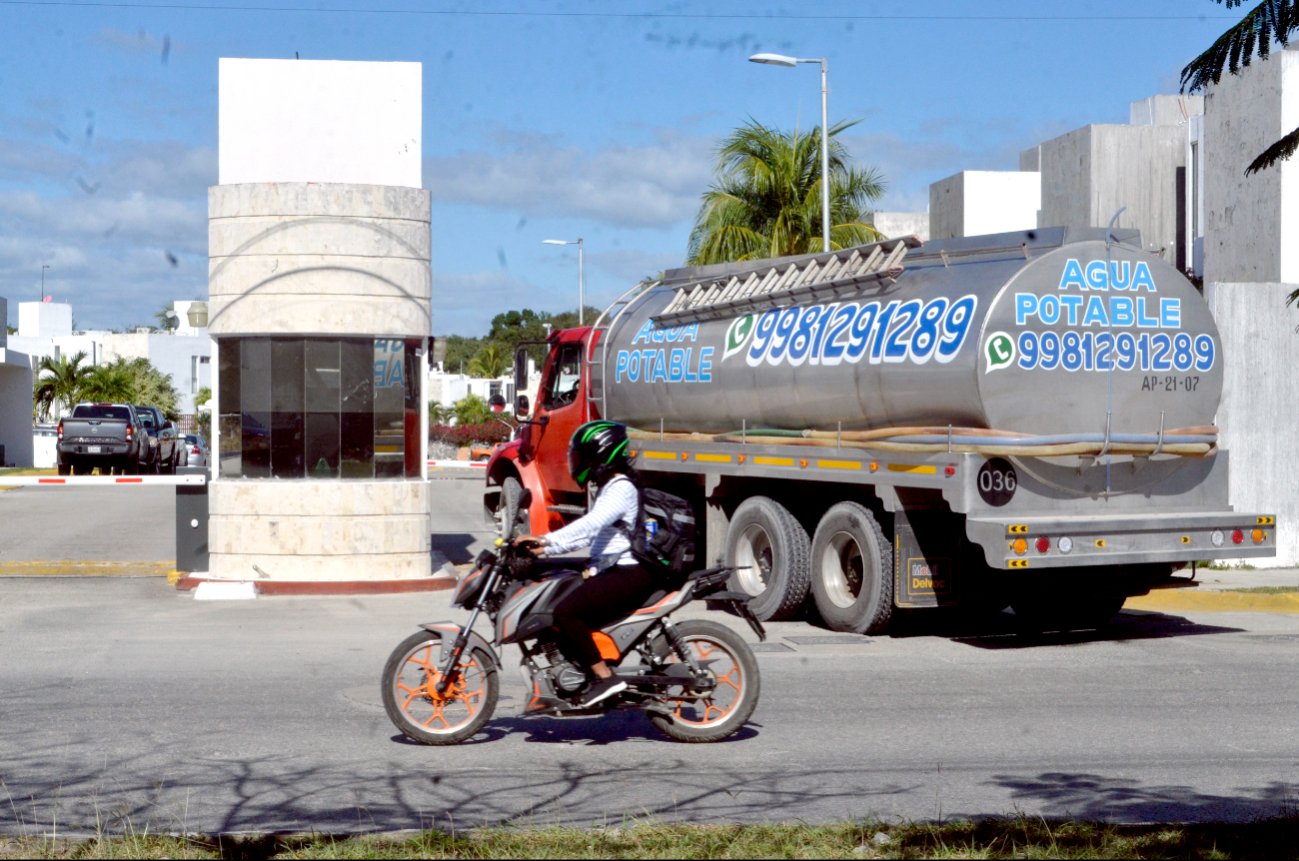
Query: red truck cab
[{"x": 537, "y": 457}]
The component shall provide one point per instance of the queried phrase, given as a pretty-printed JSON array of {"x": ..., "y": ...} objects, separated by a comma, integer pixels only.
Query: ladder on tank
[
  {"x": 824, "y": 277},
  {"x": 598, "y": 340}
]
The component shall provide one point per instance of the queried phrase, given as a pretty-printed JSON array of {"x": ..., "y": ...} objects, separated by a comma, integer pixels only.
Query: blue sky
[{"x": 542, "y": 120}]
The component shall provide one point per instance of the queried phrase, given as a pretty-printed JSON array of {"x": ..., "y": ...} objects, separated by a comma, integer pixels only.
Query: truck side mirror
[
  {"x": 520, "y": 370},
  {"x": 521, "y": 406}
]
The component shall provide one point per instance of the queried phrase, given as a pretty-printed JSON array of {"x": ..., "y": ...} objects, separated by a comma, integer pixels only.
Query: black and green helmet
[{"x": 597, "y": 449}]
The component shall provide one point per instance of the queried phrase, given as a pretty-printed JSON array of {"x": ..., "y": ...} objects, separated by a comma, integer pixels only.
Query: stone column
[{"x": 318, "y": 259}]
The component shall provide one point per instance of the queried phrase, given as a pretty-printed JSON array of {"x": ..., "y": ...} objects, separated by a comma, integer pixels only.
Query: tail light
[
  {"x": 130, "y": 433},
  {"x": 60, "y": 430}
]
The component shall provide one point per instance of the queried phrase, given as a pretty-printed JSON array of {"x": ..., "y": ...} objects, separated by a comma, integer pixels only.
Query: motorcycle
[{"x": 697, "y": 680}]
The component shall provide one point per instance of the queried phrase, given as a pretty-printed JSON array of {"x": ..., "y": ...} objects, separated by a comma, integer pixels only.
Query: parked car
[
  {"x": 164, "y": 452},
  {"x": 195, "y": 452},
  {"x": 106, "y": 436}
]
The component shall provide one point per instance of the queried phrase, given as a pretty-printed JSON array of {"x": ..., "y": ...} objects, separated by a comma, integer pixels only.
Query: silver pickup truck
[
  {"x": 165, "y": 452},
  {"x": 108, "y": 436}
]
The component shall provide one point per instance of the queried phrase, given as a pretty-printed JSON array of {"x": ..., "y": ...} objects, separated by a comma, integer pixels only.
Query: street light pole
[
  {"x": 581, "y": 268},
  {"x": 790, "y": 62},
  {"x": 41, "y": 298}
]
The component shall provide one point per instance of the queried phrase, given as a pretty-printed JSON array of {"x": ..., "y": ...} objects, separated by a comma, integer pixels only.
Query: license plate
[{"x": 92, "y": 449}]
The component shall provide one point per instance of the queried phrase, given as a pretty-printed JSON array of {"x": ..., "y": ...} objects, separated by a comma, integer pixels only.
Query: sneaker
[{"x": 601, "y": 689}]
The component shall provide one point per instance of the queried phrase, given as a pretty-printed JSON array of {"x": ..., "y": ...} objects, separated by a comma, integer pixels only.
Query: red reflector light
[
  {"x": 1237, "y": 537},
  {"x": 1043, "y": 545},
  {"x": 951, "y": 471}
]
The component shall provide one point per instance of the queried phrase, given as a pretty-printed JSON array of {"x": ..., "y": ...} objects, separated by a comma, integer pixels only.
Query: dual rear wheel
[{"x": 846, "y": 565}]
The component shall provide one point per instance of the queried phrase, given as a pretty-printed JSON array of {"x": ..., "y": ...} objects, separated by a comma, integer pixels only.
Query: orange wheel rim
[
  {"x": 729, "y": 684},
  {"x": 455, "y": 706}
]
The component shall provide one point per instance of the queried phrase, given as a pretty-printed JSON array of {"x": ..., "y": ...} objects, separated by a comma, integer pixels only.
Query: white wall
[
  {"x": 15, "y": 407},
  {"x": 975, "y": 202},
  {"x": 44, "y": 319},
  {"x": 1260, "y": 404},
  {"x": 319, "y": 121}
]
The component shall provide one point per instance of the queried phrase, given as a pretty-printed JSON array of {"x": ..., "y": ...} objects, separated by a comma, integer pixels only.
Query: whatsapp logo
[
  {"x": 999, "y": 350},
  {"x": 737, "y": 336}
]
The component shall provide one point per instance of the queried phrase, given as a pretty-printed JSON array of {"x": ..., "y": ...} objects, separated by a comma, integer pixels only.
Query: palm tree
[
  {"x": 112, "y": 383},
  {"x": 58, "y": 384},
  {"x": 1270, "y": 19},
  {"x": 490, "y": 362},
  {"x": 766, "y": 201}
]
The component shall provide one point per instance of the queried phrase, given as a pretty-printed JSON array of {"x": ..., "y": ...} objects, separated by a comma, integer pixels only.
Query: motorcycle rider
[{"x": 615, "y": 584}]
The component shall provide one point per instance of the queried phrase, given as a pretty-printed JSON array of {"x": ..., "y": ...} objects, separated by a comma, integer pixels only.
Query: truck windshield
[{"x": 101, "y": 411}]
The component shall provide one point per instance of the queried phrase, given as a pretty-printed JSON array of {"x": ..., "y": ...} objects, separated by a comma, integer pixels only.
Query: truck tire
[
  {"x": 852, "y": 571},
  {"x": 771, "y": 548},
  {"x": 65, "y": 468},
  {"x": 508, "y": 515}
]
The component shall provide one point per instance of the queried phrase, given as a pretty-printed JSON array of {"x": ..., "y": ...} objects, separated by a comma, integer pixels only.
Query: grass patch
[
  {"x": 1214, "y": 565},
  {"x": 1268, "y": 590},
  {"x": 1008, "y": 837},
  {"x": 27, "y": 470}
]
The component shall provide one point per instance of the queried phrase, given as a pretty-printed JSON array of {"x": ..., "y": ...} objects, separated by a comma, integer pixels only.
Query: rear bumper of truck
[
  {"x": 1063, "y": 541},
  {"x": 97, "y": 448}
]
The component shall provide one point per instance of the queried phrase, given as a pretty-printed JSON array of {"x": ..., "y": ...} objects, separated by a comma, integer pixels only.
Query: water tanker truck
[{"x": 1022, "y": 419}]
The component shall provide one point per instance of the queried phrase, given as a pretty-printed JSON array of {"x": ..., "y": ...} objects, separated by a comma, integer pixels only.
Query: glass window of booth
[{"x": 326, "y": 408}]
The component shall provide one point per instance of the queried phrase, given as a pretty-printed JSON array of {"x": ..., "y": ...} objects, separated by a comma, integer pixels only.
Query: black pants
[{"x": 604, "y": 598}]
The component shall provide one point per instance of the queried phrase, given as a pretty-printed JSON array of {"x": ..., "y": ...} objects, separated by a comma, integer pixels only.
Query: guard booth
[{"x": 319, "y": 307}]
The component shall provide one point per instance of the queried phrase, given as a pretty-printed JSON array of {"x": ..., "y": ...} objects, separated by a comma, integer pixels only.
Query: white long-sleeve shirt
[{"x": 605, "y": 527}]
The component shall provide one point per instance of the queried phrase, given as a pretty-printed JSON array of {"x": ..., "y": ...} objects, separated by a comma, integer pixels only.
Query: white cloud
[{"x": 624, "y": 186}]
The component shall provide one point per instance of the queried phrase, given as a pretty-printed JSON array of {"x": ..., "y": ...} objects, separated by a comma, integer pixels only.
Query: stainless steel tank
[{"x": 1050, "y": 332}]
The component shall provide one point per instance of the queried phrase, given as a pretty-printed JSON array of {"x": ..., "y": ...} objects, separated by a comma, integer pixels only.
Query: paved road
[{"x": 128, "y": 705}]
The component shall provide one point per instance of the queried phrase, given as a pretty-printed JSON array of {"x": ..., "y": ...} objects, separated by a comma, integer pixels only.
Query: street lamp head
[
  {"x": 774, "y": 60},
  {"x": 555, "y": 242}
]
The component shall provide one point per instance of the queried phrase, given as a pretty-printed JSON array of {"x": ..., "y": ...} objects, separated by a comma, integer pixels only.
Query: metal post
[{"x": 825, "y": 159}]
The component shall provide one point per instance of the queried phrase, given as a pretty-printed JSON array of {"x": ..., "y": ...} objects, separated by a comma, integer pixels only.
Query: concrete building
[
  {"x": 1088, "y": 175},
  {"x": 976, "y": 202},
  {"x": 897, "y": 224},
  {"x": 15, "y": 400},
  {"x": 183, "y": 353},
  {"x": 320, "y": 306},
  {"x": 1246, "y": 227}
]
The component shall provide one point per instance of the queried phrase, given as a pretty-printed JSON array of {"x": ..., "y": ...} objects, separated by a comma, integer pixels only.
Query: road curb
[
  {"x": 189, "y": 582},
  {"x": 1175, "y": 601},
  {"x": 84, "y": 568}
]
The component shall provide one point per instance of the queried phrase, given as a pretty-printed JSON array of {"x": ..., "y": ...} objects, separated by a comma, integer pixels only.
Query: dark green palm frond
[
  {"x": 1234, "y": 49},
  {"x": 1278, "y": 151},
  {"x": 766, "y": 201}
]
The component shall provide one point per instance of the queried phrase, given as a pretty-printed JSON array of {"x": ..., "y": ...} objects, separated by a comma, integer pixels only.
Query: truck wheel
[
  {"x": 852, "y": 571},
  {"x": 771, "y": 548},
  {"x": 65, "y": 468},
  {"x": 508, "y": 515}
]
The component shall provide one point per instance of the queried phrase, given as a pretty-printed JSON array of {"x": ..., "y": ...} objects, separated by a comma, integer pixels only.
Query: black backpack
[{"x": 663, "y": 537}]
